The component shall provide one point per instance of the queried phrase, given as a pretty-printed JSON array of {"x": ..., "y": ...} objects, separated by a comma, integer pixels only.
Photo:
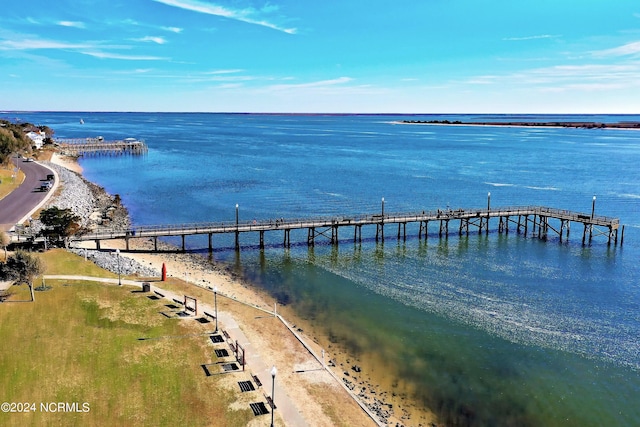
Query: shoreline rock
[{"x": 96, "y": 208}]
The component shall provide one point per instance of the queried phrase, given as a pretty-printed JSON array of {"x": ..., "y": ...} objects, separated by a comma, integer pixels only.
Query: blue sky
[{"x": 335, "y": 56}]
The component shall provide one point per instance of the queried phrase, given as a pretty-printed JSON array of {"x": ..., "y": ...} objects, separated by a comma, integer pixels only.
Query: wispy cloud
[
  {"x": 31, "y": 44},
  {"x": 624, "y": 50},
  {"x": 538, "y": 37},
  {"x": 321, "y": 84},
  {"x": 158, "y": 40},
  {"x": 95, "y": 50},
  {"x": 73, "y": 24},
  {"x": 111, "y": 55},
  {"x": 248, "y": 15},
  {"x": 217, "y": 72},
  {"x": 133, "y": 23},
  {"x": 586, "y": 77}
]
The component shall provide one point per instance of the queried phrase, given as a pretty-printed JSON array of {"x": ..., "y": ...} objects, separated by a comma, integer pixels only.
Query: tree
[
  {"x": 4, "y": 242},
  {"x": 60, "y": 224},
  {"x": 22, "y": 267},
  {"x": 12, "y": 139}
]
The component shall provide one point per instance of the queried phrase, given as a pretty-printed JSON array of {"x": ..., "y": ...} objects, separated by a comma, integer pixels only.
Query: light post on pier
[
  {"x": 274, "y": 371},
  {"x": 237, "y": 230},
  {"x": 215, "y": 304},
  {"x": 382, "y": 222},
  {"x": 593, "y": 207},
  {"x": 488, "y": 211},
  {"x": 119, "y": 276}
]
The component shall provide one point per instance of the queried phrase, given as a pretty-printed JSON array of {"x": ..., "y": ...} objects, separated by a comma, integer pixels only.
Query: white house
[{"x": 37, "y": 138}]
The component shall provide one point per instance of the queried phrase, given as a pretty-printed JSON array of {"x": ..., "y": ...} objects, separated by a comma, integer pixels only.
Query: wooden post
[
  {"x": 424, "y": 226},
  {"x": 210, "y": 242},
  {"x": 183, "y": 246},
  {"x": 261, "y": 239}
]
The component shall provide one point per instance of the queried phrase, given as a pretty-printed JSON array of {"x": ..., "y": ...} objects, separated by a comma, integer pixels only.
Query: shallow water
[{"x": 484, "y": 330}]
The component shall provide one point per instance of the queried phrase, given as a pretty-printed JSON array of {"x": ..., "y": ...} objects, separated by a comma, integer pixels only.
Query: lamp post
[
  {"x": 381, "y": 224},
  {"x": 274, "y": 371},
  {"x": 237, "y": 231},
  {"x": 215, "y": 304},
  {"x": 118, "y": 256},
  {"x": 593, "y": 207},
  {"x": 488, "y": 211}
]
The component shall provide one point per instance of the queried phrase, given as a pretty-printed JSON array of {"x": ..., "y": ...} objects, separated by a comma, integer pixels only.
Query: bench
[{"x": 256, "y": 380}]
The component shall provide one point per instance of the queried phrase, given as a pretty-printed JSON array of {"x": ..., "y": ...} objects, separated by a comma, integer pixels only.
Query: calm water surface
[{"x": 484, "y": 330}]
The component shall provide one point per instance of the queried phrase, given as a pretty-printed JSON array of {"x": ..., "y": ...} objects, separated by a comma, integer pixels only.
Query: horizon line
[{"x": 283, "y": 113}]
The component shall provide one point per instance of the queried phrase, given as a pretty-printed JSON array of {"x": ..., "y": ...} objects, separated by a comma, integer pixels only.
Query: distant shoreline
[{"x": 576, "y": 125}]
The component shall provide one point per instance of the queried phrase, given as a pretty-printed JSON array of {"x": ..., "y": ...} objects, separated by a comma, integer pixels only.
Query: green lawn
[
  {"x": 80, "y": 343},
  {"x": 7, "y": 184}
]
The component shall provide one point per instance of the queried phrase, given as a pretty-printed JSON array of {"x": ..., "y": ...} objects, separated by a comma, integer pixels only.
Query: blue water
[{"x": 484, "y": 330}]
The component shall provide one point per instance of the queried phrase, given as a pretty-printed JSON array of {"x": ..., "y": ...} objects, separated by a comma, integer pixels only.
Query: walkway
[{"x": 286, "y": 407}]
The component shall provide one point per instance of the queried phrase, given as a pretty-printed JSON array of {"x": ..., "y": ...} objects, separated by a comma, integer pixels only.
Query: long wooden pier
[
  {"x": 96, "y": 146},
  {"x": 536, "y": 221}
]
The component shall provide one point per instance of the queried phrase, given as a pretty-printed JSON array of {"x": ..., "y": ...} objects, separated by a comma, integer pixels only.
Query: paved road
[{"x": 22, "y": 200}]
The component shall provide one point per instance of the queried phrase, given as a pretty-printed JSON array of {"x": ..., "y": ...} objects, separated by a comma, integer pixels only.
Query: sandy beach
[{"x": 316, "y": 392}]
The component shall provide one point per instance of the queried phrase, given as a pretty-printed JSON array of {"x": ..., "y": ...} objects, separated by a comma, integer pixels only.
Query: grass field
[
  {"x": 80, "y": 344},
  {"x": 8, "y": 184}
]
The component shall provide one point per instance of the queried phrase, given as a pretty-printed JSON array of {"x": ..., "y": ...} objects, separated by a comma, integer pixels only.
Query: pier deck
[
  {"x": 537, "y": 221},
  {"x": 96, "y": 146}
]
